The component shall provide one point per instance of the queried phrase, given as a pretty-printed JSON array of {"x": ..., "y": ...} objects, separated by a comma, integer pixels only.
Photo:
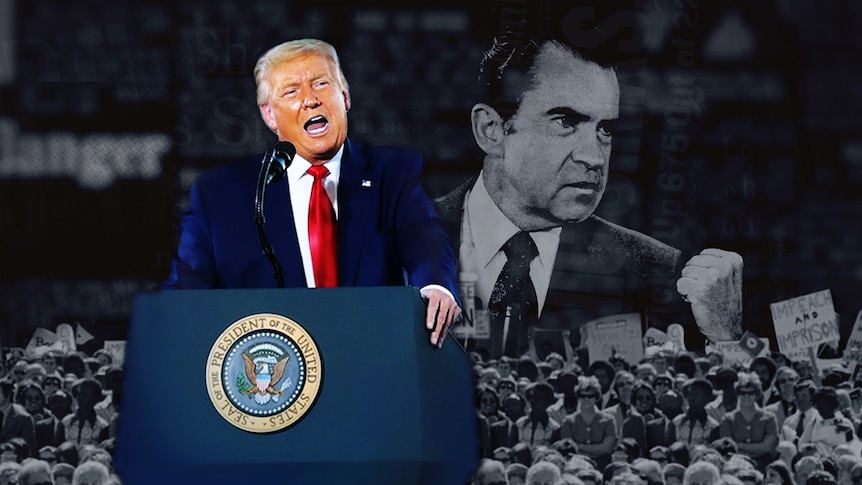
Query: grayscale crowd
[
  {"x": 670, "y": 419},
  {"x": 58, "y": 418}
]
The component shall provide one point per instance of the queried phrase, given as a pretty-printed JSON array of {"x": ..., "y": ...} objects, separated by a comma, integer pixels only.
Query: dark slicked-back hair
[
  {"x": 511, "y": 56},
  {"x": 506, "y": 54},
  {"x": 608, "y": 33}
]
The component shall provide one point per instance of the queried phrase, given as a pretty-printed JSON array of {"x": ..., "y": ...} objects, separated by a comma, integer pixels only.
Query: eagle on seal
[{"x": 264, "y": 374}]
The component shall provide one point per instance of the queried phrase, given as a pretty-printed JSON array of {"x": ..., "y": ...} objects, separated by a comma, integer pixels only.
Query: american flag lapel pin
[{"x": 366, "y": 183}]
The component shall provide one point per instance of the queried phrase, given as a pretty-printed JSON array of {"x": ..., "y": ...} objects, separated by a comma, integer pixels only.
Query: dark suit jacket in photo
[
  {"x": 601, "y": 269},
  {"x": 46, "y": 431},
  {"x": 388, "y": 231},
  {"x": 18, "y": 423},
  {"x": 658, "y": 433}
]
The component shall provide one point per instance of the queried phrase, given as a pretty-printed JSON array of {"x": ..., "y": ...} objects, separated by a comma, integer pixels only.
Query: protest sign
[
  {"x": 43, "y": 340},
  {"x": 677, "y": 335},
  {"x": 853, "y": 350},
  {"x": 66, "y": 334},
  {"x": 475, "y": 322},
  {"x": 734, "y": 353},
  {"x": 82, "y": 336},
  {"x": 855, "y": 339},
  {"x": 751, "y": 344},
  {"x": 620, "y": 334},
  {"x": 804, "y": 322},
  {"x": 655, "y": 340},
  {"x": 117, "y": 349}
]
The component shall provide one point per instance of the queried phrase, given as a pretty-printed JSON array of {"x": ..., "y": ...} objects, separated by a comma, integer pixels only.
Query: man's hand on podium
[{"x": 442, "y": 311}]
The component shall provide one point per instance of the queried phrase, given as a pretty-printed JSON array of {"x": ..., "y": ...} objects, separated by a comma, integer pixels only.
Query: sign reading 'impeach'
[
  {"x": 734, "y": 354},
  {"x": 805, "y": 321}
]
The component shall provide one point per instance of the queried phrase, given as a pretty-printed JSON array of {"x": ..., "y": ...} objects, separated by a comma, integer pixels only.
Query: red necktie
[{"x": 322, "y": 232}]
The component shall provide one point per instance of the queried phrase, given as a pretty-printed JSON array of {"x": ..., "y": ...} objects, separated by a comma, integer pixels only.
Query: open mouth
[{"x": 316, "y": 125}]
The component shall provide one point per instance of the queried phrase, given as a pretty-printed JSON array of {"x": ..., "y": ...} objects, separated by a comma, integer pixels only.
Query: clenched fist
[{"x": 712, "y": 283}]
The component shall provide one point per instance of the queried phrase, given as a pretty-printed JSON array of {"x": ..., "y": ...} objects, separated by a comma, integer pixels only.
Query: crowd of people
[
  {"x": 673, "y": 418},
  {"x": 58, "y": 418}
]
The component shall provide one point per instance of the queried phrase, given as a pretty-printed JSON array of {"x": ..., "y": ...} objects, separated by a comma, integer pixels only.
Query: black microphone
[
  {"x": 274, "y": 164},
  {"x": 281, "y": 156}
]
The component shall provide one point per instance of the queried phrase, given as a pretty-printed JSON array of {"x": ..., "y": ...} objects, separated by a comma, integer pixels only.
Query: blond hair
[{"x": 288, "y": 51}]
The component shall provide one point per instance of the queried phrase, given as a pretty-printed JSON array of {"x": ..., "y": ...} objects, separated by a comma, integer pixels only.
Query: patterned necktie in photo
[
  {"x": 322, "y": 232},
  {"x": 513, "y": 306}
]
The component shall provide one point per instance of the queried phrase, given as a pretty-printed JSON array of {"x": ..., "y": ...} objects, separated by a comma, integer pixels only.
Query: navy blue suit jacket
[{"x": 388, "y": 231}]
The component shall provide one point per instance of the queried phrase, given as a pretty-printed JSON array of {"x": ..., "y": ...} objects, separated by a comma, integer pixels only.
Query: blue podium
[{"x": 350, "y": 390}]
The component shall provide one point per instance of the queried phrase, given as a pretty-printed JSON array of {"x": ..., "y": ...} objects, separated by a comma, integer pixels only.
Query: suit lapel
[
  {"x": 593, "y": 276},
  {"x": 357, "y": 185},
  {"x": 562, "y": 304},
  {"x": 10, "y": 423},
  {"x": 450, "y": 209},
  {"x": 281, "y": 231}
]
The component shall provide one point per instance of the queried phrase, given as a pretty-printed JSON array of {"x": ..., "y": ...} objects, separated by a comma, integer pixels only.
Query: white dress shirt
[
  {"x": 788, "y": 430},
  {"x": 825, "y": 431},
  {"x": 485, "y": 230},
  {"x": 299, "y": 184}
]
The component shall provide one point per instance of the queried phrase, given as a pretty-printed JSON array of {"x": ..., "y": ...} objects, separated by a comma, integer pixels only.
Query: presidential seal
[{"x": 264, "y": 373}]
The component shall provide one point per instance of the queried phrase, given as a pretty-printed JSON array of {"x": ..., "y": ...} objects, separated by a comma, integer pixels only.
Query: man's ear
[
  {"x": 268, "y": 117},
  {"x": 346, "y": 94},
  {"x": 487, "y": 128}
]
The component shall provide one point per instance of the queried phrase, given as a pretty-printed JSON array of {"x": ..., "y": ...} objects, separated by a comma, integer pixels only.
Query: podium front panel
[{"x": 390, "y": 408}]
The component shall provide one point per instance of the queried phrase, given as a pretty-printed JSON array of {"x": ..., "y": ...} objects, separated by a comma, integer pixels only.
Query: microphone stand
[
  {"x": 260, "y": 220},
  {"x": 275, "y": 162}
]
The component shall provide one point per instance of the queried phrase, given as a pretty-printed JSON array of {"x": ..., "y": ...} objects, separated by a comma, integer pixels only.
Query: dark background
[{"x": 741, "y": 130}]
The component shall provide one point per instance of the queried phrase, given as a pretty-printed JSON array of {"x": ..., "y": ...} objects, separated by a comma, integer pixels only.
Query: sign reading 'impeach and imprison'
[{"x": 805, "y": 321}]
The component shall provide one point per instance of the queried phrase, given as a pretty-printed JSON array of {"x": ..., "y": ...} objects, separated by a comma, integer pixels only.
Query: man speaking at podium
[{"x": 343, "y": 214}]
